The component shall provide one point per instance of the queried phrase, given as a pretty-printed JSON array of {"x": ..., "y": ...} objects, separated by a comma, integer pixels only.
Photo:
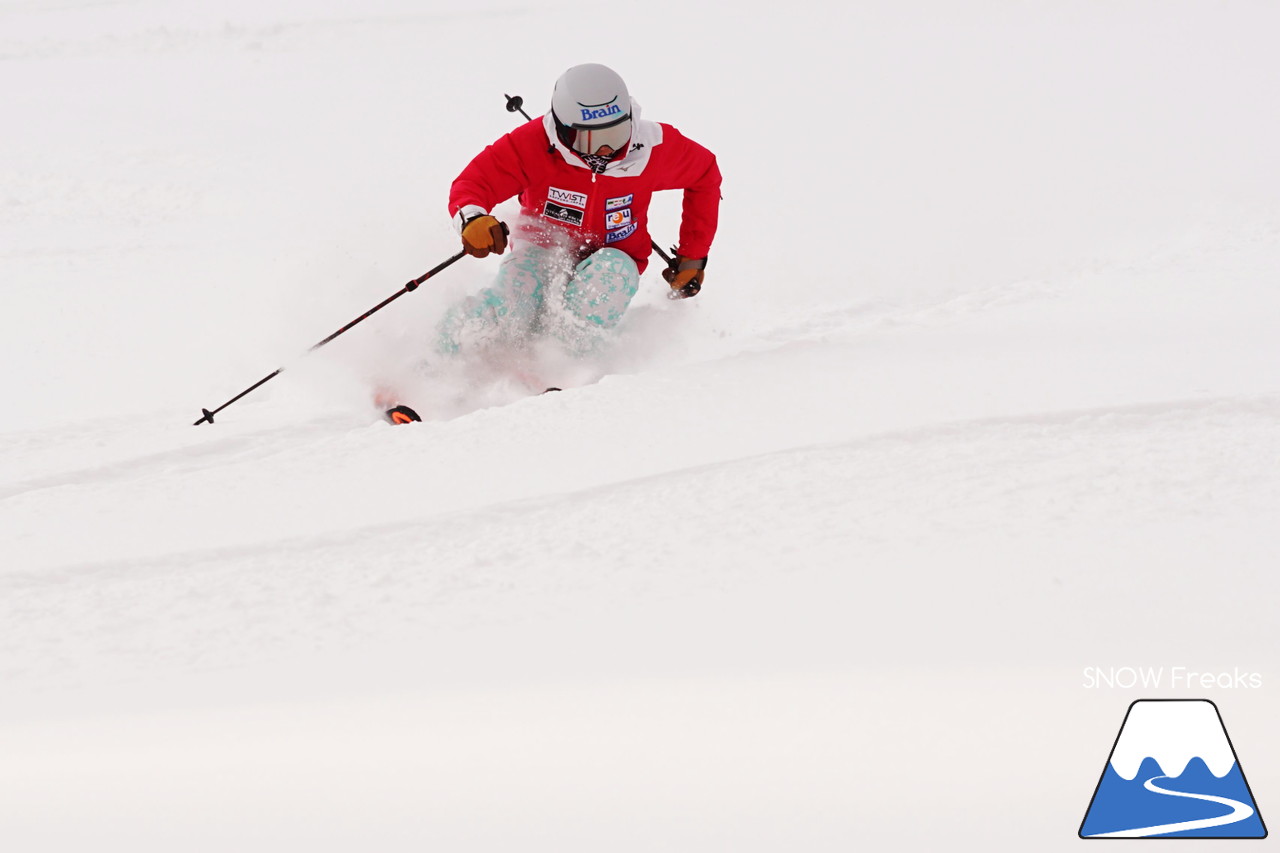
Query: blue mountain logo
[{"x": 1173, "y": 773}]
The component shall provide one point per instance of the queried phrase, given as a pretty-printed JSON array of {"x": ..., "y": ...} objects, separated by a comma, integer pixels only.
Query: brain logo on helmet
[{"x": 590, "y": 114}]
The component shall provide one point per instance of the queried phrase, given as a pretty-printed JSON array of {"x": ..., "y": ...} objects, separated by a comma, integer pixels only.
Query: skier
[{"x": 584, "y": 174}]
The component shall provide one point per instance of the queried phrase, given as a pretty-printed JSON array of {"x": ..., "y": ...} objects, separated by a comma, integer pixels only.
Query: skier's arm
[
  {"x": 693, "y": 168},
  {"x": 493, "y": 176}
]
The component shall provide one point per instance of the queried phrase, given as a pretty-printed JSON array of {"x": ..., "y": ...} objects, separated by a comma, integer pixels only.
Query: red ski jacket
[{"x": 560, "y": 194}]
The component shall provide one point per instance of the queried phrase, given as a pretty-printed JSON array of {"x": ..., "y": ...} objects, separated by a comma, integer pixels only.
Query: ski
[{"x": 401, "y": 414}]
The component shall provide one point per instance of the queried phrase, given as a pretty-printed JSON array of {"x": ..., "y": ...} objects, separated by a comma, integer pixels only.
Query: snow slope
[{"x": 983, "y": 389}]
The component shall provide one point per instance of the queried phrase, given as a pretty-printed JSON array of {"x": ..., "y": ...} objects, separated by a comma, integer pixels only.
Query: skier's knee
[{"x": 602, "y": 287}]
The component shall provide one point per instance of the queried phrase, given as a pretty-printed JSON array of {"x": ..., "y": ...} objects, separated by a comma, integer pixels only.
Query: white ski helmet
[{"x": 592, "y": 109}]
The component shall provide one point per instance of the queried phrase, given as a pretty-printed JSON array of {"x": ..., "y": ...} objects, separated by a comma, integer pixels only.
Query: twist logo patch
[
  {"x": 572, "y": 199},
  {"x": 1173, "y": 773}
]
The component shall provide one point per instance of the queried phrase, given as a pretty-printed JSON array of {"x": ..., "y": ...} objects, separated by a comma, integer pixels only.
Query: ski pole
[
  {"x": 408, "y": 288},
  {"x": 516, "y": 103}
]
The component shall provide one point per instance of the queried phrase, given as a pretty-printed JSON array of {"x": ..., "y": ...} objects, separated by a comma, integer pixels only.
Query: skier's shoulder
[
  {"x": 525, "y": 139},
  {"x": 532, "y": 131},
  {"x": 674, "y": 150},
  {"x": 670, "y": 133},
  {"x": 648, "y": 134},
  {"x": 676, "y": 144}
]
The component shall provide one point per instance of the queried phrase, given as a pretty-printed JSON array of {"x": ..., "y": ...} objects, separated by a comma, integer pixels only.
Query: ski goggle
[{"x": 589, "y": 140}]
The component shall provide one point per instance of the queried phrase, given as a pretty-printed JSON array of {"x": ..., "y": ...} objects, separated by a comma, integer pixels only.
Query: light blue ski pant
[{"x": 540, "y": 292}]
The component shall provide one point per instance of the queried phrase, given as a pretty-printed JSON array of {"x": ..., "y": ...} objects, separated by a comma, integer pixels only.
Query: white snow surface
[{"x": 983, "y": 389}]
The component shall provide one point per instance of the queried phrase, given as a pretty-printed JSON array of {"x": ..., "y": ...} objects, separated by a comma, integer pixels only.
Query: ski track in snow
[
  {"x": 178, "y": 523},
  {"x": 1042, "y": 476},
  {"x": 38, "y": 451}
]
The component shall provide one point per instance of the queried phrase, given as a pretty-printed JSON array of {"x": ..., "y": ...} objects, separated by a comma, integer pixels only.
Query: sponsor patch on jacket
[
  {"x": 559, "y": 212},
  {"x": 617, "y": 218},
  {"x": 621, "y": 233},
  {"x": 620, "y": 201},
  {"x": 572, "y": 199}
]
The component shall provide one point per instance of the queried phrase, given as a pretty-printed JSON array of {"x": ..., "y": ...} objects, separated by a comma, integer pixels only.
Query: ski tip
[
  {"x": 552, "y": 388},
  {"x": 401, "y": 414}
]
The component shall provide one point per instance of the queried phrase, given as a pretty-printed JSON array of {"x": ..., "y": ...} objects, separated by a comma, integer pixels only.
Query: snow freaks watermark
[
  {"x": 1169, "y": 678},
  {"x": 1173, "y": 772}
]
